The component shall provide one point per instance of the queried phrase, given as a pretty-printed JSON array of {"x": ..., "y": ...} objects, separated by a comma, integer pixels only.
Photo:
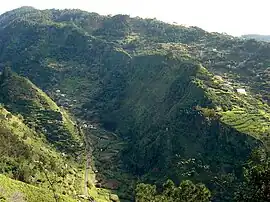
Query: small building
[
  {"x": 241, "y": 91},
  {"x": 58, "y": 91}
]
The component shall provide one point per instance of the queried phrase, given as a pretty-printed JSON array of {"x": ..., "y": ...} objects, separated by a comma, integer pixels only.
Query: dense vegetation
[
  {"x": 40, "y": 145},
  {"x": 257, "y": 37},
  {"x": 256, "y": 184},
  {"x": 186, "y": 191},
  {"x": 176, "y": 103},
  {"x": 21, "y": 97},
  {"x": 12, "y": 190}
]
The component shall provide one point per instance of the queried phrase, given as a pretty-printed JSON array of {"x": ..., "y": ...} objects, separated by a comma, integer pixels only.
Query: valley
[{"x": 114, "y": 108}]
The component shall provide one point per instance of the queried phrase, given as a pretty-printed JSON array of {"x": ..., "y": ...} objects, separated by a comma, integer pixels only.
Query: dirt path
[
  {"x": 88, "y": 152},
  {"x": 87, "y": 167}
]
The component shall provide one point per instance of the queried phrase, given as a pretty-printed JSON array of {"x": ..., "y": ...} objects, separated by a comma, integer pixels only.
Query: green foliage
[
  {"x": 115, "y": 27},
  {"x": 168, "y": 90},
  {"x": 257, "y": 179},
  {"x": 39, "y": 158},
  {"x": 257, "y": 37},
  {"x": 22, "y": 161},
  {"x": 187, "y": 191},
  {"x": 40, "y": 113},
  {"x": 11, "y": 190}
]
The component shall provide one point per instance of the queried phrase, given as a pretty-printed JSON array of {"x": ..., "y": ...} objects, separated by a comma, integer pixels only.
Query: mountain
[
  {"x": 257, "y": 37},
  {"x": 152, "y": 101},
  {"x": 40, "y": 145}
]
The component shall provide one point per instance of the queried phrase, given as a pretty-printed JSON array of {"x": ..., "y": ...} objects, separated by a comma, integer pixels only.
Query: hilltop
[
  {"x": 156, "y": 101},
  {"x": 257, "y": 36}
]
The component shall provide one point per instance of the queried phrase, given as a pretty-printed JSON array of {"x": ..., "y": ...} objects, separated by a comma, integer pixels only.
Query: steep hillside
[
  {"x": 20, "y": 96},
  {"x": 175, "y": 102},
  {"x": 11, "y": 190},
  {"x": 40, "y": 145},
  {"x": 26, "y": 156},
  {"x": 181, "y": 121}
]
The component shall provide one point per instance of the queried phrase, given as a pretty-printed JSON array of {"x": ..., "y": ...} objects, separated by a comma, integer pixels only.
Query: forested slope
[
  {"x": 40, "y": 145},
  {"x": 183, "y": 103}
]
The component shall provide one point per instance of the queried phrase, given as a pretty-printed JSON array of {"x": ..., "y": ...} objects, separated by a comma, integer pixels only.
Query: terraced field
[
  {"x": 247, "y": 113},
  {"x": 108, "y": 170}
]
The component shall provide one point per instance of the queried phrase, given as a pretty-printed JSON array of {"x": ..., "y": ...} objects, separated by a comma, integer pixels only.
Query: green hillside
[
  {"x": 40, "y": 144},
  {"x": 20, "y": 96},
  {"x": 133, "y": 100},
  {"x": 12, "y": 190}
]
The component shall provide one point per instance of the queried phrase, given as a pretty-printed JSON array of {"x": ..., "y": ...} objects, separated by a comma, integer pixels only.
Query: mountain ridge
[
  {"x": 168, "y": 95},
  {"x": 49, "y": 150},
  {"x": 260, "y": 37}
]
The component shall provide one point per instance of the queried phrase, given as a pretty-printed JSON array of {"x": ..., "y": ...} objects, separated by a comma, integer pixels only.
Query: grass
[
  {"x": 12, "y": 190},
  {"x": 41, "y": 149},
  {"x": 45, "y": 162},
  {"x": 40, "y": 112},
  {"x": 69, "y": 184},
  {"x": 246, "y": 113},
  {"x": 254, "y": 123},
  {"x": 100, "y": 195}
]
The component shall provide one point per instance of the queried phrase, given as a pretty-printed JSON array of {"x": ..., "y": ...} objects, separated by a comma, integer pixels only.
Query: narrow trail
[
  {"x": 88, "y": 152},
  {"x": 87, "y": 166}
]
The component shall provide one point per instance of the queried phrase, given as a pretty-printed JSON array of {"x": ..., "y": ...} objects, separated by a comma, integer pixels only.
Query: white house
[{"x": 241, "y": 91}]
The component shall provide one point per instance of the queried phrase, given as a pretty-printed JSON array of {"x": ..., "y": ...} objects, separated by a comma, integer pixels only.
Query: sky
[{"x": 235, "y": 17}]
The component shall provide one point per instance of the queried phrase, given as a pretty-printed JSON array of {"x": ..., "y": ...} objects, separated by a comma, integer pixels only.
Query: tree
[
  {"x": 186, "y": 192},
  {"x": 7, "y": 72},
  {"x": 145, "y": 192},
  {"x": 256, "y": 186},
  {"x": 50, "y": 181}
]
